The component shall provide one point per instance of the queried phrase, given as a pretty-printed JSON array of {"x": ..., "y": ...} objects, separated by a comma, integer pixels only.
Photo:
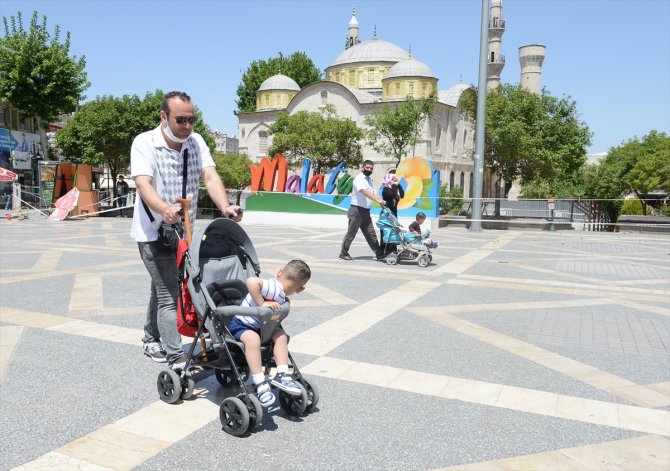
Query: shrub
[
  {"x": 665, "y": 210},
  {"x": 632, "y": 207},
  {"x": 451, "y": 201}
]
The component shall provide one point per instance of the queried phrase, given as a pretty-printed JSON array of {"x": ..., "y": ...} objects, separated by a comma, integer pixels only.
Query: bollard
[{"x": 9, "y": 215}]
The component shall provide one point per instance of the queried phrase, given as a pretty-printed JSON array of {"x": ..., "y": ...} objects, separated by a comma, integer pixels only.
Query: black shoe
[
  {"x": 345, "y": 256},
  {"x": 381, "y": 257}
]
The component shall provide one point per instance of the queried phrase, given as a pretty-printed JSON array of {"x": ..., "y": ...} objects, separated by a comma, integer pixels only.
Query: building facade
[
  {"x": 364, "y": 77},
  {"x": 225, "y": 144}
]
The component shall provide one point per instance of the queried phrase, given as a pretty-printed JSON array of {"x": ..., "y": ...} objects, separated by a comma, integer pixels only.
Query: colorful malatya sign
[{"x": 275, "y": 190}]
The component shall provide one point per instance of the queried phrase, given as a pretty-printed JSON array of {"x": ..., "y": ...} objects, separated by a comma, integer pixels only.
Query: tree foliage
[
  {"x": 324, "y": 138},
  {"x": 297, "y": 66},
  {"x": 532, "y": 137},
  {"x": 638, "y": 166},
  {"x": 37, "y": 75},
  {"x": 102, "y": 131},
  {"x": 397, "y": 128},
  {"x": 234, "y": 170}
]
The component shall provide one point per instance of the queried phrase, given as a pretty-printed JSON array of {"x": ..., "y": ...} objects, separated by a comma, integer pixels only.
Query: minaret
[
  {"x": 352, "y": 37},
  {"x": 531, "y": 58},
  {"x": 495, "y": 60}
]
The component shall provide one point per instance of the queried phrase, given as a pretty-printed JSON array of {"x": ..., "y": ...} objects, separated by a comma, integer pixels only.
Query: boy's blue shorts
[{"x": 237, "y": 328}]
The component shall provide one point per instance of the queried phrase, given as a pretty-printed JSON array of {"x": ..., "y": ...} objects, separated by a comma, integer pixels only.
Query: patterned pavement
[{"x": 512, "y": 350}]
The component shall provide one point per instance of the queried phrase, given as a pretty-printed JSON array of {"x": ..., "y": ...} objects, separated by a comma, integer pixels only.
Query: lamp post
[{"x": 476, "y": 224}]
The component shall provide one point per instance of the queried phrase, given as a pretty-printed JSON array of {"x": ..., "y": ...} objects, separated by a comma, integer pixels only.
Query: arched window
[
  {"x": 465, "y": 138},
  {"x": 462, "y": 180},
  {"x": 263, "y": 142},
  {"x": 438, "y": 134},
  {"x": 472, "y": 182},
  {"x": 324, "y": 97},
  {"x": 451, "y": 180},
  {"x": 493, "y": 56}
]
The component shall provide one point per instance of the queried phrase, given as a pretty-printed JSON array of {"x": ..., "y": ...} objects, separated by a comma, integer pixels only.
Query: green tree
[
  {"x": 297, "y": 66},
  {"x": 324, "y": 138},
  {"x": 234, "y": 171},
  {"x": 37, "y": 75},
  {"x": 639, "y": 166},
  {"x": 103, "y": 130},
  {"x": 397, "y": 128},
  {"x": 531, "y": 137}
]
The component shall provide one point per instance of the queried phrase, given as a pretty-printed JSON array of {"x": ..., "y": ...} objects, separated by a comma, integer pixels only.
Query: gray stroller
[{"x": 213, "y": 274}]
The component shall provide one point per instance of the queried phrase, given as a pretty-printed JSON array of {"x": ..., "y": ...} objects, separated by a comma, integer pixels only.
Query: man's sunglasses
[{"x": 184, "y": 119}]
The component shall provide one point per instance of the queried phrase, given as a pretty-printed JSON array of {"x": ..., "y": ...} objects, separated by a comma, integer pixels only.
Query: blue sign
[{"x": 4, "y": 140}]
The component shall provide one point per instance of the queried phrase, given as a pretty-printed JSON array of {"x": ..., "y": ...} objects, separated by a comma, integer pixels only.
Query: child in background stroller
[
  {"x": 215, "y": 268},
  {"x": 410, "y": 246}
]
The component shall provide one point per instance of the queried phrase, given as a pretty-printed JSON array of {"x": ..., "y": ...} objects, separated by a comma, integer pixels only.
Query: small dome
[
  {"x": 279, "y": 82},
  {"x": 452, "y": 95},
  {"x": 409, "y": 68},
  {"x": 373, "y": 50}
]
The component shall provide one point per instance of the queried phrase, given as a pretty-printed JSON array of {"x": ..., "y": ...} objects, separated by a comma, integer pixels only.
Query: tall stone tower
[
  {"x": 531, "y": 58},
  {"x": 495, "y": 60},
  {"x": 352, "y": 36}
]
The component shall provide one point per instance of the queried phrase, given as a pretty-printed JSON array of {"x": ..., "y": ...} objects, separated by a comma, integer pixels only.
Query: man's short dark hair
[
  {"x": 368, "y": 162},
  {"x": 181, "y": 95}
]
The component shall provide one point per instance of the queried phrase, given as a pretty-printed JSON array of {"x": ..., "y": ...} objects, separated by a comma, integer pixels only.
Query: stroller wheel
[
  {"x": 234, "y": 416},
  {"x": 225, "y": 378},
  {"x": 187, "y": 388},
  {"x": 312, "y": 395},
  {"x": 392, "y": 258},
  {"x": 294, "y": 405},
  {"x": 169, "y": 386},
  {"x": 255, "y": 409},
  {"x": 423, "y": 260}
]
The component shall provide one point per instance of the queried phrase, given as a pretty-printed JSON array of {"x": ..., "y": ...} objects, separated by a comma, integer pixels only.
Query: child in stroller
[
  {"x": 410, "y": 245},
  {"x": 216, "y": 267},
  {"x": 246, "y": 329}
]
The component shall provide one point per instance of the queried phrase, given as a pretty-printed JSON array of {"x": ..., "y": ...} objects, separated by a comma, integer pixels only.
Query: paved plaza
[{"x": 513, "y": 350}]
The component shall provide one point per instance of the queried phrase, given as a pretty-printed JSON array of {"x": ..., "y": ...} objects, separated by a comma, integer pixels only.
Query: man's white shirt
[
  {"x": 361, "y": 182},
  {"x": 151, "y": 156}
]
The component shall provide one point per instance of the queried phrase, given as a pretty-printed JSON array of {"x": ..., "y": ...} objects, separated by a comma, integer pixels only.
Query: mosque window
[
  {"x": 462, "y": 179},
  {"x": 397, "y": 88},
  {"x": 267, "y": 100},
  {"x": 371, "y": 77},
  {"x": 451, "y": 180},
  {"x": 438, "y": 134},
  {"x": 472, "y": 181},
  {"x": 263, "y": 142},
  {"x": 411, "y": 88},
  {"x": 465, "y": 138},
  {"x": 352, "y": 78},
  {"x": 324, "y": 97}
]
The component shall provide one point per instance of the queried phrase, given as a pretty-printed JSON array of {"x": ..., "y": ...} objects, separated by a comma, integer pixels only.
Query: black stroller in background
[{"x": 214, "y": 272}]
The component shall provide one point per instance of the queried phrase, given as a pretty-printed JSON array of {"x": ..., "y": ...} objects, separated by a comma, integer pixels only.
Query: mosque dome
[
  {"x": 409, "y": 68},
  {"x": 279, "y": 82},
  {"x": 452, "y": 95},
  {"x": 373, "y": 50}
]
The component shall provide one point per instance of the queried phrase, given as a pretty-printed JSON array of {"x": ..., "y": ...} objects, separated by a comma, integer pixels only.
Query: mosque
[{"x": 365, "y": 77}]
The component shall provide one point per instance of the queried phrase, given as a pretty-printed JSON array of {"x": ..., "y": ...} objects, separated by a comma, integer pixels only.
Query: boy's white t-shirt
[
  {"x": 151, "y": 156},
  {"x": 271, "y": 290}
]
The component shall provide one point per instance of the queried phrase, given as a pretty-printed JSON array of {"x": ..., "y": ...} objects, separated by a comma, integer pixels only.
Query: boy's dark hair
[
  {"x": 420, "y": 215},
  {"x": 181, "y": 95},
  {"x": 298, "y": 272},
  {"x": 368, "y": 162}
]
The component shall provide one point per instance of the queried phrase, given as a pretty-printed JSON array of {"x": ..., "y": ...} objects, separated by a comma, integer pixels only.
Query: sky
[{"x": 611, "y": 56}]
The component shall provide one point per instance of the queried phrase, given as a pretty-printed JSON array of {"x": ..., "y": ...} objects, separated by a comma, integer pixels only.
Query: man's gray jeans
[{"x": 161, "y": 321}]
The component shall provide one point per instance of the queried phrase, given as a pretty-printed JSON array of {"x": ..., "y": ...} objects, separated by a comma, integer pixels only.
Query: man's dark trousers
[{"x": 359, "y": 218}]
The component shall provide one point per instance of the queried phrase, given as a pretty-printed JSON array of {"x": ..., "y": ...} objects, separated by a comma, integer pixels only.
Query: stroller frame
[
  {"x": 409, "y": 247},
  {"x": 216, "y": 305}
]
